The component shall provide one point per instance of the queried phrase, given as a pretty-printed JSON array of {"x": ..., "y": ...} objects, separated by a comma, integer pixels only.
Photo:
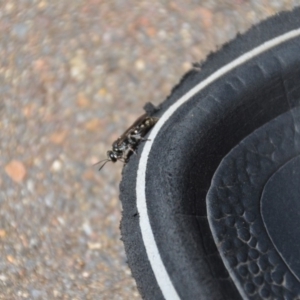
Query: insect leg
[{"x": 132, "y": 150}]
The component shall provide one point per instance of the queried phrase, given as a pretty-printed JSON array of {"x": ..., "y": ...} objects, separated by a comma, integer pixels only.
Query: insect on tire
[{"x": 211, "y": 201}]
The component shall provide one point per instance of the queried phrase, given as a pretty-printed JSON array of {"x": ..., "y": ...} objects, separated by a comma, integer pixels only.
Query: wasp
[{"x": 128, "y": 142}]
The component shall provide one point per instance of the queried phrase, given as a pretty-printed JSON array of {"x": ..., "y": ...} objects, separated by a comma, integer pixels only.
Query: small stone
[
  {"x": 90, "y": 174},
  {"x": 23, "y": 294},
  {"x": 9, "y": 7},
  {"x": 56, "y": 166},
  {"x": 79, "y": 263},
  {"x": 28, "y": 110},
  {"x": 87, "y": 229},
  {"x": 42, "y": 5},
  {"x": 56, "y": 293},
  {"x": 78, "y": 66},
  {"x": 2, "y": 233},
  {"x": 20, "y": 31},
  {"x": 94, "y": 246},
  {"x": 186, "y": 66},
  {"x": 16, "y": 170},
  {"x": 58, "y": 137},
  {"x": 61, "y": 221},
  {"x": 93, "y": 125},
  {"x": 30, "y": 185},
  {"x": 11, "y": 259},
  {"x": 83, "y": 101},
  {"x": 151, "y": 31},
  {"x": 39, "y": 65},
  {"x": 36, "y": 294},
  {"x": 102, "y": 92},
  {"x": 85, "y": 274},
  {"x": 162, "y": 34},
  {"x": 3, "y": 277},
  {"x": 206, "y": 17},
  {"x": 139, "y": 65}
]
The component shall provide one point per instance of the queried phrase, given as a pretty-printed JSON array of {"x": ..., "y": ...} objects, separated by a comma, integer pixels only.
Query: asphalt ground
[{"x": 74, "y": 75}]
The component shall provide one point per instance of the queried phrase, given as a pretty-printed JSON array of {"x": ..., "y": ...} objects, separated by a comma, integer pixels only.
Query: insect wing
[
  {"x": 125, "y": 135},
  {"x": 148, "y": 123}
]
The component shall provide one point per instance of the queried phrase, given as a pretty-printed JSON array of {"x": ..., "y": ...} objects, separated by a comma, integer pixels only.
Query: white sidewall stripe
[{"x": 157, "y": 265}]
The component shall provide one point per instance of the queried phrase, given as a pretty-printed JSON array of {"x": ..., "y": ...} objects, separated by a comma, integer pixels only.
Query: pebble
[
  {"x": 56, "y": 166},
  {"x": 16, "y": 170},
  {"x": 139, "y": 65}
]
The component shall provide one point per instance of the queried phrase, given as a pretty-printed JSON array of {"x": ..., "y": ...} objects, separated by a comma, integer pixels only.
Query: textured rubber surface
[
  {"x": 254, "y": 217},
  {"x": 184, "y": 157}
]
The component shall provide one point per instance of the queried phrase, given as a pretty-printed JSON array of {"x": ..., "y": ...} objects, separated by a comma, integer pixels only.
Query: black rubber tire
[{"x": 203, "y": 199}]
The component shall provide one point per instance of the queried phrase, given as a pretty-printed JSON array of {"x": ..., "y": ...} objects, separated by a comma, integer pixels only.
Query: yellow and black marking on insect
[{"x": 128, "y": 142}]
